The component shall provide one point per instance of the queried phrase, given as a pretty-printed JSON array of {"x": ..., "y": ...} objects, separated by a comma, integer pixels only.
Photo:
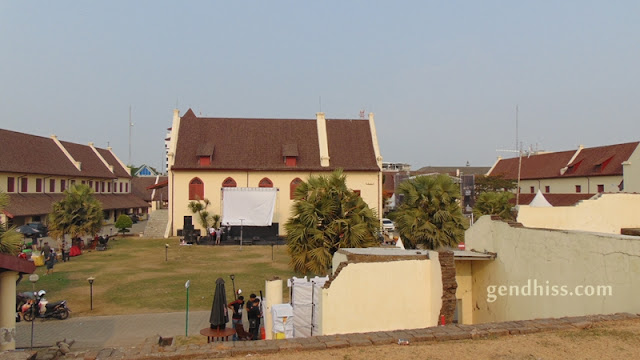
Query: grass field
[{"x": 132, "y": 276}]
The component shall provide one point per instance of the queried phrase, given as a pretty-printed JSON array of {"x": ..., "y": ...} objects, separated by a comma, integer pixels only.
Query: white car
[{"x": 388, "y": 225}]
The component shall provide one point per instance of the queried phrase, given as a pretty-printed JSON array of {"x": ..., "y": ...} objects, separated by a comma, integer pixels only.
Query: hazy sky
[{"x": 442, "y": 77}]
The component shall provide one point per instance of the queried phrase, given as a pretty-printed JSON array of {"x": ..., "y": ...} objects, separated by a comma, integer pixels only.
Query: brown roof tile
[
  {"x": 601, "y": 160},
  {"x": 30, "y": 154},
  {"x": 118, "y": 170},
  {"x": 140, "y": 187},
  {"x": 38, "y": 204},
  {"x": 554, "y": 199},
  {"x": 242, "y": 143},
  {"x": 91, "y": 165},
  {"x": 542, "y": 166}
]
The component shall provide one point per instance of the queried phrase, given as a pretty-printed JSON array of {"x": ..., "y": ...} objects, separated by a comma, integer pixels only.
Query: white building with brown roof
[
  {"x": 208, "y": 156},
  {"x": 35, "y": 171},
  {"x": 567, "y": 177}
]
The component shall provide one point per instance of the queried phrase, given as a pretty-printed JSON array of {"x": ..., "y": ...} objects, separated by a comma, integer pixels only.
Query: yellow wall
[
  {"x": 8, "y": 310},
  {"x": 568, "y": 185},
  {"x": 367, "y": 183},
  {"x": 380, "y": 296},
  {"x": 547, "y": 258},
  {"x": 631, "y": 170},
  {"x": 608, "y": 213},
  {"x": 464, "y": 291}
]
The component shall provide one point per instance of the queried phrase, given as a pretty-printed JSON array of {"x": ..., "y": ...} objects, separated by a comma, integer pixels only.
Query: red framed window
[
  {"x": 90, "y": 183},
  {"x": 39, "y": 185},
  {"x": 83, "y": 182},
  {"x": 97, "y": 188},
  {"x": 24, "y": 185},
  {"x": 72, "y": 182},
  {"x": 229, "y": 182},
  {"x": 204, "y": 160},
  {"x": 120, "y": 187},
  {"x": 578, "y": 188},
  {"x": 196, "y": 189},
  {"x": 532, "y": 189},
  {"x": 102, "y": 186},
  {"x": 109, "y": 187},
  {"x": 293, "y": 186},
  {"x": 11, "y": 184},
  {"x": 600, "y": 188},
  {"x": 290, "y": 160},
  {"x": 547, "y": 189},
  {"x": 52, "y": 185},
  {"x": 126, "y": 187},
  {"x": 357, "y": 192},
  {"x": 265, "y": 183},
  {"x": 63, "y": 185}
]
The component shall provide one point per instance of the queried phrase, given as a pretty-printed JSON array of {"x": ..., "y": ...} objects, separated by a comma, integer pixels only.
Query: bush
[{"x": 123, "y": 224}]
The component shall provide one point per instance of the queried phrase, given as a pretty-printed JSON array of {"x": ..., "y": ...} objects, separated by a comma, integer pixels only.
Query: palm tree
[
  {"x": 10, "y": 240},
  {"x": 494, "y": 203},
  {"x": 199, "y": 207},
  {"x": 327, "y": 216},
  {"x": 430, "y": 213},
  {"x": 78, "y": 214}
]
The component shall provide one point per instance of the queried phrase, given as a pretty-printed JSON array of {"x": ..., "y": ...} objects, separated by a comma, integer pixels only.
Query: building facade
[
  {"x": 207, "y": 155},
  {"x": 35, "y": 171}
]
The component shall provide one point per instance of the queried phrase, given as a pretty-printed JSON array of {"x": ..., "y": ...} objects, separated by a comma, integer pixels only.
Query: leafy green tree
[
  {"x": 78, "y": 214},
  {"x": 327, "y": 216},
  {"x": 430, "y": 213},
  {"x": 199, "y": 208},
  {"x": 123, "y": 224},
  {"x": 494, "y": 183},
  {"x": 10, "y": 239},
  {"x": 494, "y": 203}
]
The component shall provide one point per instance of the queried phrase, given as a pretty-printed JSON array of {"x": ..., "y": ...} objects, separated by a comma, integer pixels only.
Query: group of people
[
  {"x": 254, "y": 314},
  {"x": 216, "y": 234}
]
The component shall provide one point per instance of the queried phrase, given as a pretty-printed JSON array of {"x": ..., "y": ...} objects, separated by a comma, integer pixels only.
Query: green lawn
[{"x": 132, "y": 276}]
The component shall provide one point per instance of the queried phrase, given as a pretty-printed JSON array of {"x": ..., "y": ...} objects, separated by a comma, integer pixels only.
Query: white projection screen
[{"x": 248, "y": 206}]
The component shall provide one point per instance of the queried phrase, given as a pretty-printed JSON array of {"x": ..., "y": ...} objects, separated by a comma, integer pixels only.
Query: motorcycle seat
[{"x": 52, "y": 305}]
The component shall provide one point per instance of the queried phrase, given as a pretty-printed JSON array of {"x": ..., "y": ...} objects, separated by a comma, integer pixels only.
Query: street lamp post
[
  {"x": 235, "y": 296},
  {"x": 90, "y": 280},
  {"x": 241, "y": 220},
  {"x": 166, "y": 252},
  {"x": 33, "y": 278}
]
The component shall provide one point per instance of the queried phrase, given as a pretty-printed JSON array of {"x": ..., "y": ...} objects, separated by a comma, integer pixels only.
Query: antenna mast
[{"x": 130, "y": 126}]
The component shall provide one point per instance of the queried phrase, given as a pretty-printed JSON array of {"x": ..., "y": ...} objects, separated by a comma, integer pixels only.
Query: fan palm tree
[
  {"x": 494, "y": 203},
  {"x": 10, "y": 240},
  {"x": 327, "y": 216},
  {"x": 78, "y": 214},
  {"x": 430, "y": 213}
]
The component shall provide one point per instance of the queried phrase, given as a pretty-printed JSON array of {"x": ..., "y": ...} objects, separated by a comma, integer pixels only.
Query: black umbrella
[
  {"x": 219, "y": 316},
  {"x": 27, "y": 230}
]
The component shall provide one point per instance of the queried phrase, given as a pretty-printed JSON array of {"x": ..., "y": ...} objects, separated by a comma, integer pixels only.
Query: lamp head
[
  {"x": 232, "y": 277},
  {"x": 90, "y": 279}
]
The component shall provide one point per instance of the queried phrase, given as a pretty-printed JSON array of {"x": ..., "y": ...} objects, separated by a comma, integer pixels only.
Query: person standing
[
  {"x": 236, "y": 318},
  {"x": 48, "y": 258},
  {"x": 254, "y": 314}
]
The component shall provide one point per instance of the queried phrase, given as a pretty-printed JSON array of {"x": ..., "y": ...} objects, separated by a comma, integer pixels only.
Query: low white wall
[
  {"x": 378, "y": 296},
  {"x": 550, "y": 269},
  {"x": 607, "y": 214}
]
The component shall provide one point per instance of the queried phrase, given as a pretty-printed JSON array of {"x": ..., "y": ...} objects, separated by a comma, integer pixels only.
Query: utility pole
[{"x": 130, "y": 126}]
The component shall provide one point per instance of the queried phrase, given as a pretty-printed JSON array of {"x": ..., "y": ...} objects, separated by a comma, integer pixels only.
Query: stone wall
[{"x": 449, "y": 285}]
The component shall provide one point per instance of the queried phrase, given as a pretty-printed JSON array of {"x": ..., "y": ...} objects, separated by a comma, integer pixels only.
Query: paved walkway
[{"x": 109, "y": 331}]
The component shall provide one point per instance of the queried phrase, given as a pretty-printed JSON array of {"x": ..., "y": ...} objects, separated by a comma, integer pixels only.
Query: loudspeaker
[{"x": 187, "y": 221}]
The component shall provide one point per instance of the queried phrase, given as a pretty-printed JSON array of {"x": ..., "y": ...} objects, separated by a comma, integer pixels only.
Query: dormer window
[
  {"x": 599, "y": 167},
  {"x": 573, "y": 167},
  {"x": 290, "y": 154},
  {"x": 205, "y": 153}
]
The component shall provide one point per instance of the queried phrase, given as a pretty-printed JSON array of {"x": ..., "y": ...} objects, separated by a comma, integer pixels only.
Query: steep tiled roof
[
  {"x": 91, "y": 165},
  {"x": 140, "y": 187},
  {"x": 542, "y": 166},
  {"x": 118, "y": 170},
  {"x": 554, "y": 199},
  {"x": 451, "y": 170},
  {"x": 601, "y": 160},
  {"x": 256, "y": 144},
  {"x": 37, "y": 204},
  {"x": 30, "y": 154}
]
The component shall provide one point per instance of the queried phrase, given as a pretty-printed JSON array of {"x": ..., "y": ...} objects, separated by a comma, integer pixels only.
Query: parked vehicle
[
  {"x": 41, "y": 308},
  {"x": 44, "y": 231},
  {"x": 388, "y": 225},
  {"x": 134, "y": 218}
]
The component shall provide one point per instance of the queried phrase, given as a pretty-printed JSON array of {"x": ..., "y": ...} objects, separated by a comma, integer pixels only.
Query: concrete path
[{"x": 109, "y": 331}]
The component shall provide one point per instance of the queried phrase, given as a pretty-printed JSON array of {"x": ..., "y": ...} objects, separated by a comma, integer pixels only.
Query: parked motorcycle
[{"x": 41, "y": 308}]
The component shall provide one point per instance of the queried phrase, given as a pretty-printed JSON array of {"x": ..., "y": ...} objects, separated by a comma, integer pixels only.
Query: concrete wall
[
  {"x": 631, "y": 171},
  {"x": 589, "y": 185},
  {"x": 366, "y": 182},
  {"x": 379, "y": 296},
  {"x": 8, "y": 310},
  {"x": 608, "y": 214},
  {"x": 551, "y": 270}
]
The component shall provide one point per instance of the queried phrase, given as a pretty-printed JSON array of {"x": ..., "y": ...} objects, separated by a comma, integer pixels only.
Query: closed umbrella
[{"x": 219, "y": 315}]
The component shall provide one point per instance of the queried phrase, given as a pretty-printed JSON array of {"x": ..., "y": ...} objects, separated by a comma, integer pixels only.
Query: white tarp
[
  {"x": 305, "y": 294},
  {"x": 248, "y": 206},
  {"x": 283, "y": 319}
]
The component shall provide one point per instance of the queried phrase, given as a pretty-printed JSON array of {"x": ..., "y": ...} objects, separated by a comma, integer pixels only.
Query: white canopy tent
[{"x": 248, "y": 206}]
